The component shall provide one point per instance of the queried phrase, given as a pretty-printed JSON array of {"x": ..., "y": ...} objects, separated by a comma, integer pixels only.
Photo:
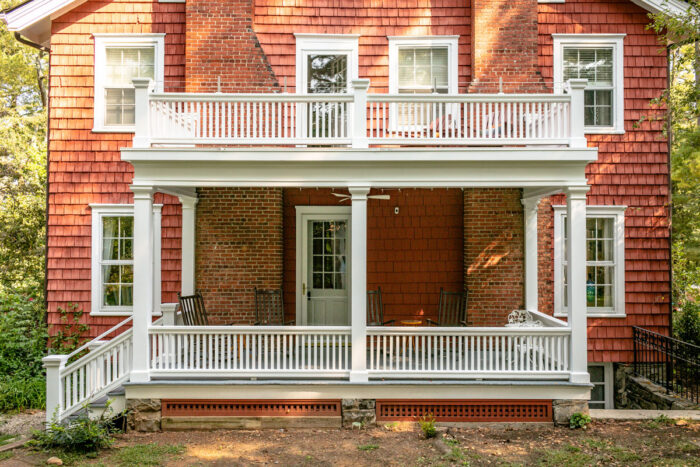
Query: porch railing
[
  {"x": 250, "y": 351},
  {"x": 668, "y": 362},
  {"x": 457, "y": 353},
  {"x": 358, "y": 119}
]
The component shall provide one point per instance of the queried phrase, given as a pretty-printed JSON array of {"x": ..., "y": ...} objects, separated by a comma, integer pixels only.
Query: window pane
[
  {"x": 120, "y": 106},
  {"x": 327, "y": 73},
  {"x": 127, "y": 298},
  {"x": 111, "y": 295},
  {"x": 597, "y": 374},
  {"x": 127, "y": 63},
  {"x": 423, "y": 69},
  {"x": 598, "y": 393},
  {"x": 110, "y": 274}
]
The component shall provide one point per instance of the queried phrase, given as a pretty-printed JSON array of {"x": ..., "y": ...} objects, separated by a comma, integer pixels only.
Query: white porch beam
[
  {"x": 530, "y": 206},
  {"x": 358, "y": 284},
  {"x": 189, "y": 207},
  {"x": 576, "y": 279},
  {"x": 157, "y": 216},
  {"x": 143, "y": 281}
]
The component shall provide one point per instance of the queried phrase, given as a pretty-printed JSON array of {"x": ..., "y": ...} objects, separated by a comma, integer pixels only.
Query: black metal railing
[{"x": 668, "y": 362}]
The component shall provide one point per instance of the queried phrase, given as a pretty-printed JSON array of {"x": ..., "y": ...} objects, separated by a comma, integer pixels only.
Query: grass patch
[
  {"x": 4, "y": 439},
  {"x": 6, "y": 455},
  {"x": 570, "y": 455},
  {"x": 18, "y": 393},
  {"x": 661, "y": 420},
  {"x": 368, "y": 447},
  {"x": 146, "y": 454}
]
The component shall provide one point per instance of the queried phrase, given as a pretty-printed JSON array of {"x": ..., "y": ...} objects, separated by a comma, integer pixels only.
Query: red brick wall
[
  {"x": 504, "y": 39},
  {"x": 85, "y": 167},
  {"x": 410, "y": 255},
  {"x": 221, "y": 44},
  {"x": 631, "y": 169},
  {"x": 238, "y": 248},
  {"x": 275, "y": 24},
  {"x": 493, "y": 254}
]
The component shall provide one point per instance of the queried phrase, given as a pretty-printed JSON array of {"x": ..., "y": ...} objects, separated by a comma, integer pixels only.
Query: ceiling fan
[{"x": 344, "y": 197}]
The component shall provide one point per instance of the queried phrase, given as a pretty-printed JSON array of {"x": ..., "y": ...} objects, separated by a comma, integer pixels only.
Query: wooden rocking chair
[{"x": 452, "y": 309}]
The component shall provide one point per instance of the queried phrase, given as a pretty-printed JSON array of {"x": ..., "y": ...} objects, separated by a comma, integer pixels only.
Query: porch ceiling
[{"x": 377, "y": 167}]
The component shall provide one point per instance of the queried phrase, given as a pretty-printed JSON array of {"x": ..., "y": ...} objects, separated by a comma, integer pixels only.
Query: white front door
[{"x": 325, "y": 267}]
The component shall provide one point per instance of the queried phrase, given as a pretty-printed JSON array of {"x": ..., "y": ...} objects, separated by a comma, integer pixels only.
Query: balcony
[{"x": 359, "y": 119}]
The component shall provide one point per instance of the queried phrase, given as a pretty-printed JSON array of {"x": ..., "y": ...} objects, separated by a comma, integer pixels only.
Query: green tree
[{"x": 23, "y": 71}]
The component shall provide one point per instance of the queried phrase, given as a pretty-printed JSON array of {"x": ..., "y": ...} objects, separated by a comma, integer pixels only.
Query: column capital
[
  {"x": 142, "y": 192},
  {"x": 530, "y": 203},
  {"x": 188, "y": 202},
  {"x": 577, "y": 192},
  {"x": 360, "y": 84},
  {"x": 157, "y": 208},
  {"x": 358, "y": 193}
]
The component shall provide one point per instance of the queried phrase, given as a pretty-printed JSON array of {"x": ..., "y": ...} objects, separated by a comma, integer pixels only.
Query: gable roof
[{"x": 33, "y": 18}]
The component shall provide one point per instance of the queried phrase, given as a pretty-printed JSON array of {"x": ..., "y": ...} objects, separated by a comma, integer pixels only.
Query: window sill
[
  {"x": 118, "y": 313},
  {"x": 114, "y": 129},
  {"x": 603, "y": 131},
  {"x": 594, "y": 315}
]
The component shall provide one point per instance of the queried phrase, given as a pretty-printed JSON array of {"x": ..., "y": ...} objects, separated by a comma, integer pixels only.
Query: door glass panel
[
  {"x": 327, "y": 74},
  {"x": 329, "y": 258}
]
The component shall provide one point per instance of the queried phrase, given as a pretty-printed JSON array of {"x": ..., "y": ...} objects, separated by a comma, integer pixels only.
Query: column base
[
  {"x": 359, "y": 376},
  {"x": 139, "y": 376},
  {"x": 580, "y": 377}
]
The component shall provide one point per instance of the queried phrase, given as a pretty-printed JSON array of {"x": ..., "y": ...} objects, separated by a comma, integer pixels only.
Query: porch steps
[{"x": 97, "y": 407}]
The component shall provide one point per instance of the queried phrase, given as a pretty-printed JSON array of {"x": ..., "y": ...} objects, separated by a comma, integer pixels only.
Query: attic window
[{"x": 118, "y": 60}]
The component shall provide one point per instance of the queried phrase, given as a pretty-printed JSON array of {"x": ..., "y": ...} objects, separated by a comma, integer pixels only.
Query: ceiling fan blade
[
  {"x": 340, "y": 195},
  {"x": 380, "y": 196}
]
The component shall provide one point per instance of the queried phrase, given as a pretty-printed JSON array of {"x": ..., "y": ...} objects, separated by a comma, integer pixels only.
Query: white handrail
[{"x": 98, "y": 338}]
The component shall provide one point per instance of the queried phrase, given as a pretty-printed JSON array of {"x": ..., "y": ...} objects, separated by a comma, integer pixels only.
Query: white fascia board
[
  {"x": 672, "y": 7},
  {"x": 25, "y": 15},
  {"x": 391, "y": 169}
]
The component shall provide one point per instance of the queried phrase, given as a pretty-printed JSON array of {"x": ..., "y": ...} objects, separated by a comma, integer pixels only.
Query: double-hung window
[
  {"x": 118, "y": 60},
  {"x": 605, "y": 261},
  {"x": 599, "y": 59},
  {"x": 112, "y": 259},
  {"x": 422, "y": 65}
]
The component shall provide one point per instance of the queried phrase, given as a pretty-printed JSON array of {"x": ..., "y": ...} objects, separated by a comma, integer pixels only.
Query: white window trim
[
  {"x": 608, "y": 384},
  {"x": 452, "y": 44},
  {"x": 594, "y": 41},
  {"x": 618, "y": 214},
  {"x": 98, "y": 212},
  {"x": 328, "y": 44},
  {"x": 102, "y": 41}
]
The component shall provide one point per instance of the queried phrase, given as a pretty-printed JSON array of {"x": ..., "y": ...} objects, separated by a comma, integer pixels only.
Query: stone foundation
[
  {"x": 359, "y": 411},
  {"x": 143, "y": 414},
  {"x": 563, "y": 409},
  {"x": 635, "y": 392}
]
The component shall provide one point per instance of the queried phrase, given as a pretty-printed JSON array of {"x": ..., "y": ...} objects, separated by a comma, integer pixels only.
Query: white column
[
  {"x": 576, "y": 274},
  {"x": 189, "y": 207},
  {"x": 142, "y": 124},
  {"x": 358, "y": 283},
  {"x": 576, "y": 118},
  {"x": 359, "y": 113},
  {"x": 157, "y": 214},
  {"x": 54, "y": 364},
  {"x": 143, "y": 281},
  {"x": 530, "y": 206}
]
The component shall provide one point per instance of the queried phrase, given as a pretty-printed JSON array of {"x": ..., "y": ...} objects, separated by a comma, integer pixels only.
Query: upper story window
[
  {"x": 423, "y": 65},
  {"x": 598, "y": 58},
  {"x": 118, "y": 60},
  {"x": 605, "y": 261}
]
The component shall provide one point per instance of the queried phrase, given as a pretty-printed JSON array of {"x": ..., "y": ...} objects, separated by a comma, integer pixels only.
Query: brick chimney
[
  {"x": 504, "y": 45},
  {"x": 221, "y": 45}
]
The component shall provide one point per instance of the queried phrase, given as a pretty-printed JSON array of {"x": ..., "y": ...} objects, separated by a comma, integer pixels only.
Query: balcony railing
[{"x": 359, "y": 119}]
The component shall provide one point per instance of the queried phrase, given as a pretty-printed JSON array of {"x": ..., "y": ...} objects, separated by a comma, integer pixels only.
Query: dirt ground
[{"x": 660, "y": 442}]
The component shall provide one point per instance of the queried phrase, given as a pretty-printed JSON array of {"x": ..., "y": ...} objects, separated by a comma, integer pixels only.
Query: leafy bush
[
  {"x": 69, "y": 336},
  {"x": 686, "y": 323},
  {"x": 20, "y": 393},
  {"x": 81, "y": 434},
  {"x": 22, "y": 335},
  {"x": 427, "y": 424},
  {"x": 579, "y": 420}
]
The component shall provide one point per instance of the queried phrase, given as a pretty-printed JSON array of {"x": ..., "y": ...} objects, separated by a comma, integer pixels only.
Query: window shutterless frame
[
  {"x": 617, "y": 215},
  {"x": 137, "y": 41},
  {"x": 595, "y": 41}
]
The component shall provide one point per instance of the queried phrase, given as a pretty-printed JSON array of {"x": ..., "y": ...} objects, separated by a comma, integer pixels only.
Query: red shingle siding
[
  {"x": 410, "y": 255},
  {"x": 493, "y": 253},
  {"x": 85, "y": 167},
  {"x": 238, "y": 248},
  {"x": 631, "y": 169},
  {"x": 275, "y": 25}
]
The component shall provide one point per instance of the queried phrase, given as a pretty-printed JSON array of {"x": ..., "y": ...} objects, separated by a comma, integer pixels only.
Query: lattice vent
[
  {"x": 250, "y": 408},
  {"x": 466, "y": 410}
]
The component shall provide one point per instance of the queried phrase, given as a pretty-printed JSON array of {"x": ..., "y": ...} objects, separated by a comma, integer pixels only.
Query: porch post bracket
[
  {"x": 358, "y": 282},
  {"x": 189, "y": 214},
  {"x": 143, "y": 281},
  {"x": 576, "y": 269},
  {"x": 530, "y": 206}
]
